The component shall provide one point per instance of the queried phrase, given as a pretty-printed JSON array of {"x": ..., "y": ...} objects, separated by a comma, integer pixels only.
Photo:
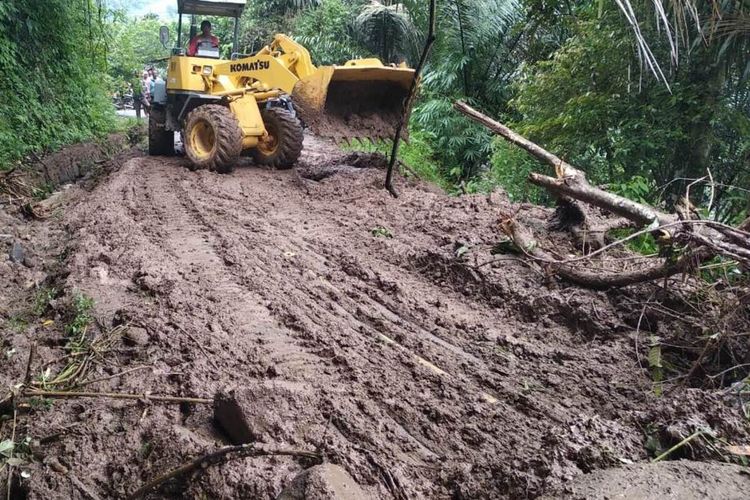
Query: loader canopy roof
[{"x": 230, "y": 8}]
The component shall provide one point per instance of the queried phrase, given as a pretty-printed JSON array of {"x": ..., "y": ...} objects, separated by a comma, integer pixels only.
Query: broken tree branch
[
  {"x": 525, "y": 241},
  {"x": 575, "y": 185},
  {"x": 700, "y": 239},
  {"x": 410, "y": 99},
  {"x": 570, "y": 181},
  {"x": 217, "y": 456},
  {"x": 117, "y": 395}
]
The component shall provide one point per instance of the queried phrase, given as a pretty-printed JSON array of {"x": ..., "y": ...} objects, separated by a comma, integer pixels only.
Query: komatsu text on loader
[{"x": 257, "y": 103}]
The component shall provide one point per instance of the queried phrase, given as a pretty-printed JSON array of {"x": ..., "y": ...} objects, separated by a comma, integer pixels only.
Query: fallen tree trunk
[
  {"x": 575, "y": 185},
  {"x": 700, "y": 239},
  {"x": 570, "y": 181}
]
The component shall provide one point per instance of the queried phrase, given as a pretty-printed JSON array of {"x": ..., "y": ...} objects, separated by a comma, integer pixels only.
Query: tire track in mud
[
  {"x": 387, "y": 314},
  {"x": 344, "y": 309},
  {"x": 375, "y": 296},
  {"x": 353, "y": 297},
  {"x": 418, "y": 374},
  {"x": 232, "y": 307},
  {"x": 252, "y": 281}
]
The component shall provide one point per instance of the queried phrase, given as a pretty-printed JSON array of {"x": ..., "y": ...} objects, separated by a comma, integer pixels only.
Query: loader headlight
[{"x": 207, "y": 70}]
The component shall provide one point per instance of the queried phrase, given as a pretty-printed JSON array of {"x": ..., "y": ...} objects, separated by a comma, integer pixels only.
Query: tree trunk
[{"x": 693, "y": 157}]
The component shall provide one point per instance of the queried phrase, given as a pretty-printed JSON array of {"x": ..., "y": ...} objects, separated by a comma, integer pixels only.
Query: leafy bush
[
  {"x": 326, "y": 32},
  {"x": 461, "y": 146},
  {"x": 417, "y": 155},
  {"x": 51, "y": 58},
  {"x": 135, "y": 44},
  {"x": 583, "y": 105},
  {"x": 509, "y": 168}
]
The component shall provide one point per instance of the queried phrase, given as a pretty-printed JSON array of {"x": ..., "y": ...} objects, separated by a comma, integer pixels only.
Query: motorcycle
[{"x": 123, "y": 101}]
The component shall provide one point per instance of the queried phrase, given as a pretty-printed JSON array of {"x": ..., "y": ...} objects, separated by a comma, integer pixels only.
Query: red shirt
[{"x": 210, "y": 41}]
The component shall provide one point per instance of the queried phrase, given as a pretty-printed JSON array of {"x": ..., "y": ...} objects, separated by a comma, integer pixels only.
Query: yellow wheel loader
[{"x": 257, "y": 103}]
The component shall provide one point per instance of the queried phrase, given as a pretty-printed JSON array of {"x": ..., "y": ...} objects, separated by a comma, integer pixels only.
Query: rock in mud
[
  {"x": 136, "y": 336},
  {"x": 31, "y": 261},
  {"x": 264, "y": 412},
  {"x": 17, "y": 252},
  {"x": 323, "y": 482}
]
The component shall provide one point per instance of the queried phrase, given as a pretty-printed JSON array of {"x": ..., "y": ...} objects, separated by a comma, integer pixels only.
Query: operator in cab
[{"x": 205, "y": 43}]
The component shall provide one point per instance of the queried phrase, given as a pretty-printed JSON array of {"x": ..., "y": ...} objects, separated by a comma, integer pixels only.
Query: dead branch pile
[
  {"x": 703, "y": 340},
  {"x": 686, "y": 239}
]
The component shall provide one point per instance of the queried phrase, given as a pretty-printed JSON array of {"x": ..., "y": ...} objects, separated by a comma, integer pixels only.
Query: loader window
[
  {"x": 207, "y": 52},
  {"x": 205, "y": 44}
]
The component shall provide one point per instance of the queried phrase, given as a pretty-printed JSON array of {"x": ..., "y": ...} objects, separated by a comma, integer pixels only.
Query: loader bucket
[{"x": 351, "y": 101}]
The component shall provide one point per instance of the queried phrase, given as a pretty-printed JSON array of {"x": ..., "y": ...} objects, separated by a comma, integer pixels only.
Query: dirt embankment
[{"x": 375, "y": 331}]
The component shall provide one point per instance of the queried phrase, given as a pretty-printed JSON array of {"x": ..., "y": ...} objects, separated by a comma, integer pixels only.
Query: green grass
[
  {"x": 417, "y": 155},
  {"x": 381, "y": 232},
  {"x": 17, "y": 323},
  {"x": 125, "y": 123},
  {"x": 42, "y": 298},
  {"x": 82, "y": 307}
]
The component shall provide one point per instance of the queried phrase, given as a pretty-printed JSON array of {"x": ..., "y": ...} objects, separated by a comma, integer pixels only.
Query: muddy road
[{"x": 375, "y": 331}]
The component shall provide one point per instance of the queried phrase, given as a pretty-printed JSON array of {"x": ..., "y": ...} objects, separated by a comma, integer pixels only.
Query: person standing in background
[
  {"x": 152, "y": 75},
  {"x": 137, "y": 94},
  {"x": 146, "y": 90}
]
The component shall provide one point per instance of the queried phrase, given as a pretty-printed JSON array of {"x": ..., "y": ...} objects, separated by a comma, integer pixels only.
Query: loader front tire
[
  {"x": 160, "y": 140},
  {"x": 283, "y": 145},
  {"x": 213, "y": 138}
]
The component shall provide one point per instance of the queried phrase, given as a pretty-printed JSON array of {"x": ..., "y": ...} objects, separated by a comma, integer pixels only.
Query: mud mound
[
  {"x": 323, "y": 482},
  {"x": 338, "y": 163},
  {"x": 381, "y": 333},
  {"x": 681, "y": 480}
]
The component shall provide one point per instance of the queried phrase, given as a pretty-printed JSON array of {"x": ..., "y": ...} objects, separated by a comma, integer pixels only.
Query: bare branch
[
  {"x": 217, "y": 456},
  {"x": 525, "y": 241}
]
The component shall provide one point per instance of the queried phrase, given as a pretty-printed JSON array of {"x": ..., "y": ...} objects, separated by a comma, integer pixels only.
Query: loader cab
[
  {"x": 213, "y": 8},
  {"x": 185, "y": 73}
]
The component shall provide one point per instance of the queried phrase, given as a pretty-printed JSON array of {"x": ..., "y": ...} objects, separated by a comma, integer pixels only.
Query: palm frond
[
  {"x": 386, "y": 30},
  {"x": 689, "y": 23}
]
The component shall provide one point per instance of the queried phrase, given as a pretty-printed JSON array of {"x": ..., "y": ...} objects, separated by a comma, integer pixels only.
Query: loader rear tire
[
  {"x": 160, "y": 140},
  {"x": 213, "y": 138},
  {"x": 283, "y": 145}
]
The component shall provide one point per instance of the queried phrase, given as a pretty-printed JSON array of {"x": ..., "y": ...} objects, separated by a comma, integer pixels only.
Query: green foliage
[
  {"x": 472, "y": 60},
  {"x": 509, "y": 168},
  {"x": 135, "y": 44},
  {"x": 82, "y": 307},
  {"x": 637, "y": 188},
  {"x": 16, "y": 324},
  {"x": 417, "y": 155},
  {"x": 326, "y": 32},
  {"x": 594, "y": 106},
  {"x": 583, "y": 105},
  {"x": 460, "y": 145},
  {"x": 643, "y": 244},
  {"x": 42, "y": 298},
  {"x": 41, "y": 404},
  {"x": 52, "y": 61},
  {"x": 386, "y": 29},
  {"x": 43, "y": 191},
  {"x": 420, "y": 158},
  {"x": 381, "y": 232},
  {"x": 642, "y": 190}
]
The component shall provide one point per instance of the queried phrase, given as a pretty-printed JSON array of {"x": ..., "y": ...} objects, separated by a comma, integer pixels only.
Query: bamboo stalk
[{"x": 117, "y": 395}]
